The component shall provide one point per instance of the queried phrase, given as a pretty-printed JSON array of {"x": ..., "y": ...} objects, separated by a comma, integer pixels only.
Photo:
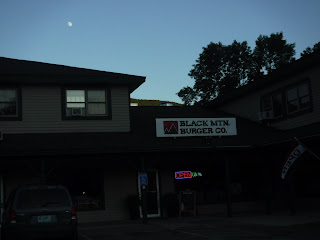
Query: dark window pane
[
  {"x": 8, "y": 109},
  {"x": 88, "y": 202},
  {"x": 303, "y": 90},
  {"x": 292, "y": 94},
  {"x": 75, "y": 112},
  {"x": 293, "y": 106},
  {"x": 152, "y": 204},
  {"x": 277, "y": 105},
  {"x": 266, "y": 104},
  {"x": 96, "y": 108},
  {"x": 8, "y": 95},
  {"x": 305, "y": 102},
  {"x": 96, "y": 96}
]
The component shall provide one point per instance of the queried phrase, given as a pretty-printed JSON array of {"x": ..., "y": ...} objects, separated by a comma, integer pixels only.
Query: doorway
[{"x": 152, "y": 194}]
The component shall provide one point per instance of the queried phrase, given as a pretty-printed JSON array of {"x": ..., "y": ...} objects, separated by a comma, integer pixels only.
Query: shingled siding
[
  {"x": 248, "y": 106},
  {"x": 41, "y": 113}
]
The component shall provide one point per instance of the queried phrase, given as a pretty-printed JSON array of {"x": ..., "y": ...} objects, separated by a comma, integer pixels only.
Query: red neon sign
[{"x": 183, "y": 174}]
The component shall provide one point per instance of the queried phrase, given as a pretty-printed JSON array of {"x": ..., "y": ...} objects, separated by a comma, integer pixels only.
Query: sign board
[
  {"x": 191, "y": 127},
  {"x": 143, "y": 179},
  {"x": 183, "y": 174},
  {"x": 186, "y": 174}
]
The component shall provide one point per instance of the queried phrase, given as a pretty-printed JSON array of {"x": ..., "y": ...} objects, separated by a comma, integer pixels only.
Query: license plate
[{"x": 44, "y": 219}]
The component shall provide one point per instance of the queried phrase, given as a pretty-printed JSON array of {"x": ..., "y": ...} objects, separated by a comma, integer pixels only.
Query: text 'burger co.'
[{"x": 190, "y": 127}]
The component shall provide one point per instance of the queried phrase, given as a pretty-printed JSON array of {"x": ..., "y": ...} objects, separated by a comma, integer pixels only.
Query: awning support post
[
  {"x": 228, "y": 187},
  {"x": 43, "y": 172},
  {"x": 143, "y": 195}
]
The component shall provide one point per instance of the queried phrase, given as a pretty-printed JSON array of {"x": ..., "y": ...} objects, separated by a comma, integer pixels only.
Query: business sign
[
  {"x": 183, "y": 174},
  {"x": 195, "y": 127},
  {"x": 186, "y": 174}
]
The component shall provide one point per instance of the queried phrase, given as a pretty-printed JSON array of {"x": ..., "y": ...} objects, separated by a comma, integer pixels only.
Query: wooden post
[
  {"x": 268, "y": 165},
  {"x": 227, "y": 187},
  {"x": 43, "y": 172},
  {"x": 143, "y": 195}
]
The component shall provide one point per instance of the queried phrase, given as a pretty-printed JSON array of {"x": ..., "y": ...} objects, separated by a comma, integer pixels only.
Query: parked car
[{"x": 39, "y": 212}]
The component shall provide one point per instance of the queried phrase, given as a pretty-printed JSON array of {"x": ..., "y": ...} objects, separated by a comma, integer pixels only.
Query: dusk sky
[{"x": 157, "y": 39}]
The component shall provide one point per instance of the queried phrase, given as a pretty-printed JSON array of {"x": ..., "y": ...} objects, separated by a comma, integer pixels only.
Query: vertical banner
[{"x": 294, "y": 154}]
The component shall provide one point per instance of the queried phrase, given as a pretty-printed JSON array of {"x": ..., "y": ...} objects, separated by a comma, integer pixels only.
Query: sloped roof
[
  {"x": 277, "y": 75},
  {"x": 13, "y": 71},
  {"x": 142, "y": 137}
]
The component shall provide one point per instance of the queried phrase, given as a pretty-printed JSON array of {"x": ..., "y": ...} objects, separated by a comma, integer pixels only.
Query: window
[
  {"x": 289, "y": 100},
  {"x": 9, "y": 104},
  {"x": 273, "y": 105},
  {"x": 87, "y": 103},
  {"x": 298, "y": 98},
  {"x": 86, "y": 186}
]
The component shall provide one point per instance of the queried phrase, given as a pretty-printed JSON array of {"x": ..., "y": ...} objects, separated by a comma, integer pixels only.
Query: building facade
[
  {"x": 73, "y": 126},
  {"x": 287, "y": 100},
  {"x": 65, "y": 125}
]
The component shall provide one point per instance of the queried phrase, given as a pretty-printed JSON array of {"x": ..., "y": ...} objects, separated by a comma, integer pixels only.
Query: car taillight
[
  {"x": 74, "y": 213},
  {"x": 13, "y": 217}
]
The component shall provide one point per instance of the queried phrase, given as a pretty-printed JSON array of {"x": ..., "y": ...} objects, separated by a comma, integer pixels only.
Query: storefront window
[{"x": 85, "y": 186}]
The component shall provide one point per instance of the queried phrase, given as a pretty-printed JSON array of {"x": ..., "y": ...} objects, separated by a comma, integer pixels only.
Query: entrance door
[{"x": 152, "y": 192}]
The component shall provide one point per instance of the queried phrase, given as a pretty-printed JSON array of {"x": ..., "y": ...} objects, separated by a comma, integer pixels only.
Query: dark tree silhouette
[
  {"x": 273, "y": 51},
  {"x": 308, "y": 50},
  {"x": 221, "y": 68}
]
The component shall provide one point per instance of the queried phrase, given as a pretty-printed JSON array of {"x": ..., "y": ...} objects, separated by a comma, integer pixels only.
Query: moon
[{"x": 70, "y": 24}]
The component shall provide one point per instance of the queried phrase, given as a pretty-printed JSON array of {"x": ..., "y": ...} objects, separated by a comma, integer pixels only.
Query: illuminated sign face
[
  {"x": 186, "y": 174},
  {"x": 183, "y": 174},
  {"x": 195, "y": 127}
]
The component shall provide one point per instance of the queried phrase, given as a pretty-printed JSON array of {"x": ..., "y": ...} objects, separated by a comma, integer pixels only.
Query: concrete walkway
[
  {"x": 278, "y": 226},
  {"x": 276, "y": 219}
]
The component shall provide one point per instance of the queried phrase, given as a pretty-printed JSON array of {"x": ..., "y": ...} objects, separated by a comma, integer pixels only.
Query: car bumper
[{"x": 41, "y": 231}]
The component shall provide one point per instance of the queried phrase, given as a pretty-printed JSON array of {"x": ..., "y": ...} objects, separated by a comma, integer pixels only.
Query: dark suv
[{"x": 39, "y": 212}]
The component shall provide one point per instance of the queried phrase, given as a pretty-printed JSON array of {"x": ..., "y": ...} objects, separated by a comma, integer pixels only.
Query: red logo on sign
[{"x": 170, "y": 127}]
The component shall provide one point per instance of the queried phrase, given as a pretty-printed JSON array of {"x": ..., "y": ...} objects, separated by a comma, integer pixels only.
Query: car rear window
[{"x": 35, "y": 198}]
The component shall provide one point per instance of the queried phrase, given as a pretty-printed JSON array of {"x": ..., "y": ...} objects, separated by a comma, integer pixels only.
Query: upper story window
[
  {"x": 273, "y": 105},
  {"x": 10, "y": 104},
  {"x": 86, "y": 104},
  {"x": 298, "y": 98},
  {"x": 294, "y": 99}
]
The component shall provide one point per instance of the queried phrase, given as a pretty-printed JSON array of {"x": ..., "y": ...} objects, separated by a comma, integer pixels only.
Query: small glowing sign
[
  {"x": 186, "y": 174},
  {"x": 183, "y": 174}
]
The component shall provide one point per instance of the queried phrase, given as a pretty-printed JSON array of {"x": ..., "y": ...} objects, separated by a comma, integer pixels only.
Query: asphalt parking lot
[
  {"x": 304, "y": 226},
  {"x": 218, "y": 228}
]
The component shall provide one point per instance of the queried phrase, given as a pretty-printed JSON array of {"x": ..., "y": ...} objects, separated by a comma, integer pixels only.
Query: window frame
[
  {"x": 271, "y": 97},
  {"x": 18, "y": 116},
  {"x": 296, "y": 87},
  {"x": 283, "y": 91},
  {"x": 107, "y": 90}
]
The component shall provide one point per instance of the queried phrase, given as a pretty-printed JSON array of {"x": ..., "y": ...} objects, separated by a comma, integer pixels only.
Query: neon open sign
[{"x": 186, "y": 174}]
